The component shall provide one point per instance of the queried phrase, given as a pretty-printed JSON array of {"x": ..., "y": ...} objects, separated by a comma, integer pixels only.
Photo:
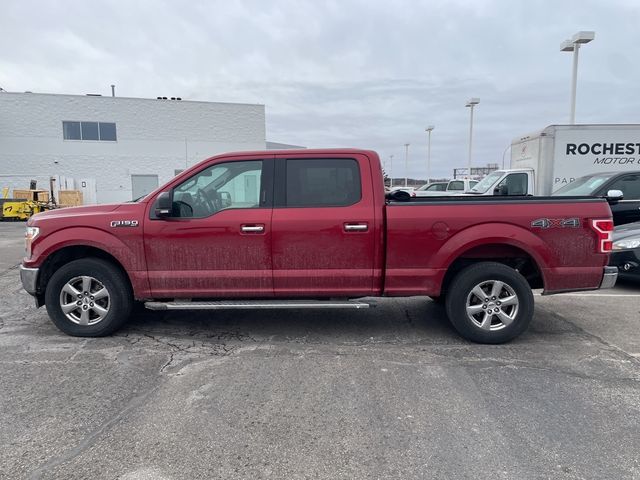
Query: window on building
[
  {"x": 108, "y": 132},
  {"x": 89, "y": 130},
  {"x": 322, "y": 183},
  {"x": 103, "y": 131},
  {"x": 71, "y": 130}
]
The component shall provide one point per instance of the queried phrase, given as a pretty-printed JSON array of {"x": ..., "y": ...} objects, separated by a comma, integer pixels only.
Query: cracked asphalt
[{"x": 390, "y": 392}]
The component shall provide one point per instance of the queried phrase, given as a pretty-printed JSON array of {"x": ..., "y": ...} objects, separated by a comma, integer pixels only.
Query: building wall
[{"x": 153, "y": 137}]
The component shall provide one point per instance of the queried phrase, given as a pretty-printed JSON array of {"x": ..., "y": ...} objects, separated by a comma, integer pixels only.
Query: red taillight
[{"x": 604, "y": 231}]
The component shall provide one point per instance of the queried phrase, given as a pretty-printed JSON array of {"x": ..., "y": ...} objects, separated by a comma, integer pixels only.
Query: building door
[{"x": 141, "y": 185}]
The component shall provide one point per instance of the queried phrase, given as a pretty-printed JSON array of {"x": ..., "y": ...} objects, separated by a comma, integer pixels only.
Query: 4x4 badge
[{"x": 556, "y": 223}]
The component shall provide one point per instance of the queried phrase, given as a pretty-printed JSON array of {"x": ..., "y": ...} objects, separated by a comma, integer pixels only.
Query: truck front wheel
[
  {"x": 88, "y": 298},
  {"x": 489, "y": 302}
]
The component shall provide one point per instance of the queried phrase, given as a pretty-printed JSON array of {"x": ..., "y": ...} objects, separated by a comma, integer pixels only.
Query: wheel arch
[
  {"x": 504, "y": 243},
  {"x": 67, "y": 254}
]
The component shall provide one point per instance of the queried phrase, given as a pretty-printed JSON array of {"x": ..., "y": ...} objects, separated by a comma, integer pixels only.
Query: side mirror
[
  {"x": 614, "y": 196},
  {"x": 501, "y": 190},
  {"x": 163, "y": 205}
]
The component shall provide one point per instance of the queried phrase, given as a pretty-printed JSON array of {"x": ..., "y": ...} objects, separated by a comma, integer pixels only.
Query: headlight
[
  {"x": 627, "y": 243},
  {"x": 29, "y": 237}
]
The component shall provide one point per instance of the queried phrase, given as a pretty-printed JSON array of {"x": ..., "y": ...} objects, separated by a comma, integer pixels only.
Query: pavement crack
[
  {"x": 167, "y": 364},
  {"x": 585, "y": 333},
  {"x": 93, "y": 436}
]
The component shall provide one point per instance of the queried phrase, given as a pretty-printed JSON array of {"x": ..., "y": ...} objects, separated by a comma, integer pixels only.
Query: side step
[{"x": 257, "y": 305}]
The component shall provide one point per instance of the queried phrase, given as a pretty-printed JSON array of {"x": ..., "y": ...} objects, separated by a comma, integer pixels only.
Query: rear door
[{"x": 323, "y": 226}]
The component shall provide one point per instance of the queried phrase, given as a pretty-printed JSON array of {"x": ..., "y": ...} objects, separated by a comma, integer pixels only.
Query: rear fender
[{"x": 494, "y": 233}]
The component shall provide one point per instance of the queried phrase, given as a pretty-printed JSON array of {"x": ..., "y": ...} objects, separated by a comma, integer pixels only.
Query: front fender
[{"x": 131, "y": 257}]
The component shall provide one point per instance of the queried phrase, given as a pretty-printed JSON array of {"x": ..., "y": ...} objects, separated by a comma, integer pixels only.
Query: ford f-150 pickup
[{"x": 312, "y": 229}]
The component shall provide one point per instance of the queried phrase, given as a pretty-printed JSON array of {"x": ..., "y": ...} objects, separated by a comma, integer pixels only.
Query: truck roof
[{"x": 301, "y": 151}]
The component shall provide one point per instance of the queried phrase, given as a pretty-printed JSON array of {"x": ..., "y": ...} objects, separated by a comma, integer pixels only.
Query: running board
[{"x": 257, "y": 305}]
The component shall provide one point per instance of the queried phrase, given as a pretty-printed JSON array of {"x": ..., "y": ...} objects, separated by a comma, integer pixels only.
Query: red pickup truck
[{"x": 312, "y": 229}]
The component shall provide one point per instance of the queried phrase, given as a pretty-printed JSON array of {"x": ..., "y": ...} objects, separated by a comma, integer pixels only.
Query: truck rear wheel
[
  {"x": 489, "y": 302},
  {"x": 88, "y": 298}
]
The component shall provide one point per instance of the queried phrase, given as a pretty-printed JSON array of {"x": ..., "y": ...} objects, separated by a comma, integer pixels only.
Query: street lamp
[
  {"x": 471, "y": 103},
  {"x": 429, "y": 129},
  {"x": 406, "y": 164},
  {"x": 390, "y": 171},
  {"x": 573, "y": 45}
]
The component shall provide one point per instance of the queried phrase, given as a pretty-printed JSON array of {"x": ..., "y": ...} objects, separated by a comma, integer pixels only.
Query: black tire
[
  {"x": 439, "y": 300},
  {"x": 120, "y": 299},
  {"x": 459, "y": 293}
]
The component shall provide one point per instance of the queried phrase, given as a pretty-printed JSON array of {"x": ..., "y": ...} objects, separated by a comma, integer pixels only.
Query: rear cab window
[{"x": 322, "y": 182}]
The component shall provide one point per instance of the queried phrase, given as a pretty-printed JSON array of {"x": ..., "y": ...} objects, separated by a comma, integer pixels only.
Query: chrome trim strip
[{"x": 231, "y": 305}]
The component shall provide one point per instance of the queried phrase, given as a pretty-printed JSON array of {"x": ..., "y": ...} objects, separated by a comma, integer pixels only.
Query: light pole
[
  {"x": 471, "y": 103},
  {"x": 429, "y": 129},
  {"x": 573, "y": 45},
  {"x": 503, "y": 154},
  {"x": 406, "y": 165},
  {"x": 390, "y": 170}
]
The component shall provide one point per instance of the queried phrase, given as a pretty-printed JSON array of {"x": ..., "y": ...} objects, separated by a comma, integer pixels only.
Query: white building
[{"x": 116, "y": 148}]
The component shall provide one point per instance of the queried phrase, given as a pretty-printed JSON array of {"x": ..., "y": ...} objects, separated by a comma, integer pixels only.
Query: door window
[
  {"x": 322, "y": 183},
  {"x": 629, "y": 185},
  {"x": 219, "y": 187},
  {"x": 516, "y": 184},
  {"x": 457, "y": 185}
]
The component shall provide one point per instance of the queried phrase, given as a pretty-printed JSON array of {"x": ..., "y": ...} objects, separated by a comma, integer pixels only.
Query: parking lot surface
[{"x": 390, "y": 392}]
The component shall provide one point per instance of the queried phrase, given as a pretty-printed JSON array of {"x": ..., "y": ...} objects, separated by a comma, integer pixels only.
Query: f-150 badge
[
  {"x": 556, "y": 223},
  {"x": 124, "y": 223}
]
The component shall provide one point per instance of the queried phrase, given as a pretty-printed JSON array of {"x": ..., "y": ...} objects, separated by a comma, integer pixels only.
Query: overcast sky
[{"x": 365, "y": 73}]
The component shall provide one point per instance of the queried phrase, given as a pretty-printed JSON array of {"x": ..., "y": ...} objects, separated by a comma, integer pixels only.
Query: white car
[{"x": 452, "y": 187}]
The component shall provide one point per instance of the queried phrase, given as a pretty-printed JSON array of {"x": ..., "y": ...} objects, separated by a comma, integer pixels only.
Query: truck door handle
[
  {"x": 356, "y": 227},
  {"x": 252, "y": 228}
]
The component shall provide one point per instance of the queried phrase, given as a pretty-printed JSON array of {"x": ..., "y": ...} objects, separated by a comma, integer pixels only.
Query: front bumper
[
  {"x": 29, "y": 279},
  {"x": 609, "y": 278}
]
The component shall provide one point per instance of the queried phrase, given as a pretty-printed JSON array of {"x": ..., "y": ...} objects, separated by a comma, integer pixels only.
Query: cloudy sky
[{"x": 359, "y": 73}]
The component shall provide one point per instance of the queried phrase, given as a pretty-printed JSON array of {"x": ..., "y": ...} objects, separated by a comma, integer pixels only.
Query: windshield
[
  {"x": 584, "y": 185},
  {"x": 483, "y": 185}
]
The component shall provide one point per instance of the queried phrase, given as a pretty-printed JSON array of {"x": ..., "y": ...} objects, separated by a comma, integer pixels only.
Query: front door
[
  {"x": 217, "y": 241},
  {"x": 626, "y": 210},
  {"x": 323, "y": 227}
]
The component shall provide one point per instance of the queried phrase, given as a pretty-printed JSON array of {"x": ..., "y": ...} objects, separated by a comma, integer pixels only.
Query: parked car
[
  {"x": 626, "y": 250},
  {"x": 624, "y": 211},
  {"x": 433, "y": 187},
  {"x": 258, "y": 229},
  {"x": 452, "y": 187}
]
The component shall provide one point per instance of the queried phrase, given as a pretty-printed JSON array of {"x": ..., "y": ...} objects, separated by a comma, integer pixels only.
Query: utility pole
[{"x": 406, "y": 164}]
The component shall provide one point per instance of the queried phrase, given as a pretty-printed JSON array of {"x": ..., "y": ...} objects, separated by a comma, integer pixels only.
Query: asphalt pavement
[{"x": 390, "y": 392}]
